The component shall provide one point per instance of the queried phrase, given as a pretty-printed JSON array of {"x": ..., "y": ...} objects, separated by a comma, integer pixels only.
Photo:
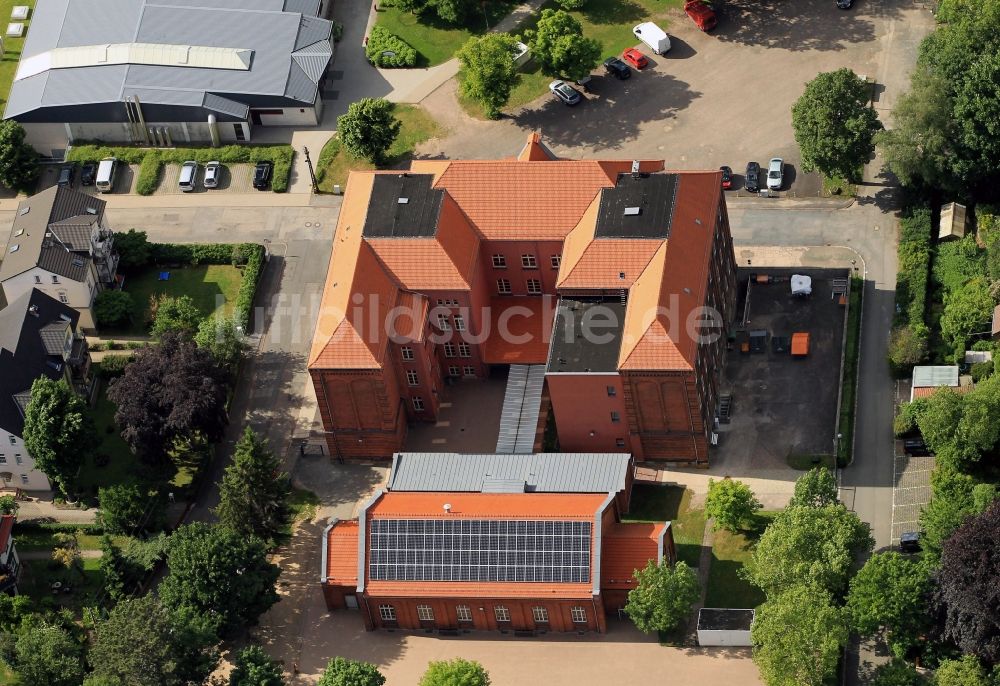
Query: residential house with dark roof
[
  {"x": 60, "y": 244},
  {"x": 523, "y": 562},
  {"x": 38, "y": 337},
  {"x": 606, "y": 287},
  {"x": 169, "y": 72}
]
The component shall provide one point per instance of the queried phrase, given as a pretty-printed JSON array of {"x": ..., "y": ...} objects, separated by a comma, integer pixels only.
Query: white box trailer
[
  {"x": 653, "y": 36},
  {"x": 724, "y": 627}
]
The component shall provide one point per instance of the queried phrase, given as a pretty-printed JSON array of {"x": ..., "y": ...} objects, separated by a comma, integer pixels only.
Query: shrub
[
  {"x": 113, "y": 366},
  {"x": 380, "y": 41},
  {"x": 914, "y": 265},
  {"x": 133, "y": 249},
  {"x": 112, "y": 308},
  {"x": 248, "y": 286},
  {"x": 981, "y": 370},
  {"x": 149, "y": 174},
  {"x": 905, "y": 421},
  {"x": 907, "y": 347}
]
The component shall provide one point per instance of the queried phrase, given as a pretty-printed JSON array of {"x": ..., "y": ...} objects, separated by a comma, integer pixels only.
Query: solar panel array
[{"x": 479, "y": 550}]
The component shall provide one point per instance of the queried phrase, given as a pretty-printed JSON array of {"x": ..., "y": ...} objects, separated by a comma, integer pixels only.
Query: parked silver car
[
  {"x": 775, "y": 173},
  {"x": 212, "y": 171}
]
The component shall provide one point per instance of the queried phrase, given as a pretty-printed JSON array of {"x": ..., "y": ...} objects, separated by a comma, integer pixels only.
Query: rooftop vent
[
  {"x": 78, "y": 262},
  {"x": 621, "y": 275},
  {"x": 403, "y": 201},
  {"x": 635, "y": 168},
  {"x": 33, "y": 310},
  {"x": 91, "y": 210},
  {"x": 19, "y": 232},
  {"x": 24, "y": 210},
  {"x": 447, "y": 507},
  {"x": 14, "y": 248},
  {"x": 632, "y": 211}
]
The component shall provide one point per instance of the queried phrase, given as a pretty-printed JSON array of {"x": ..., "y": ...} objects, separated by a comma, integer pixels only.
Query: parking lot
[
  {"x": 782, "y": 405},
  {"x": 234, "y": 178}
]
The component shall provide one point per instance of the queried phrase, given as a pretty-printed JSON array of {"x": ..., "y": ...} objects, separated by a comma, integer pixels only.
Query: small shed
[
  {"x": 724, "y": 627},
  {"x": 521, "y": 55},
  {"x": 800, "y": 344},
  {"x": 926, "y": 378},
  {"x": 953, "y": 221}
]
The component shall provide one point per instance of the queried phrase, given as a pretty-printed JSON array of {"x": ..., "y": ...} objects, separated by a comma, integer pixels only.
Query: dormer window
[{"x": 55, "y": 279}]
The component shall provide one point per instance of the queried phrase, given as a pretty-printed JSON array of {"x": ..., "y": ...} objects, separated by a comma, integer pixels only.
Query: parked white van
[
  {"x": 105, "y": 180},
  {"x": 188, "y": 176},
  {"x": 653, "y": 36}
]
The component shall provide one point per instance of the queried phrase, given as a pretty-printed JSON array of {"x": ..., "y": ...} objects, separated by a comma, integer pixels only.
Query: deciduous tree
[
  {"x": 130, "y": 509},
  {"x": 834, "y": 126},
  {"x": 967, "y": 585},
  {"x": 891, "y": 592},
  {"x": 142, "y": 643},
  {"x": 176, "y": 314},
  {"x": 797, "y": 637},
  {"x": 222, "y": 337},
  {"x": 808, "y": 545},
  {"x": 457, "y": 672},
  {"x": 962, "y": 671},
  {"x": 58, "y": 431},
  {"x": 18, "y": 160},
  {"x": 488, "y": 71},
  {"x": 218, "y": 572},
  {"x": 815, "y": 488},
  {"x": 133, "y": 249},
  {"x": 254, "y": 667},
  {"x": 170, "y": 390},
  {"x": 47, "y": 653},
  {"x": 369, "y": 128},
  {"x": 254, "y": 492},
  {"x": 896, "y": 673},
  {"x": 966, "y": 311},
  {"x": 731, "y": 504},
  {"x": 343, "y": 672},
  {"x": 560, "y": 47},
  {"x": 112, "y": 308},
  {"x": 663, "y": 596}
]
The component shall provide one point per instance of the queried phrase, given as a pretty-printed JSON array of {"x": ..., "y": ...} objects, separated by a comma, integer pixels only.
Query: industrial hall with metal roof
[
  {"x": 520, "y": 543},
  {"x": 167, "y": 72}
]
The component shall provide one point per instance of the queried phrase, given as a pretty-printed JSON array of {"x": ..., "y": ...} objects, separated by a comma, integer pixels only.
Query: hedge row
[
  {"x": 250, "y": 255},
  {"x": 381, "y": 41},
  {"x": 151, "y": 160},
  {"x": 914, "y": 267}
]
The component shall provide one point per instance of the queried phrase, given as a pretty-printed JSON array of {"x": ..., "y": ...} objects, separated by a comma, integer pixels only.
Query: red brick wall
[
  {"x": 484, "y": 616},
  {"x": 664, "y": 411},
  {"x": 515, "y": 272},
  {"x": 363, "y": 410},
  {"x": 582, "y": 405}
]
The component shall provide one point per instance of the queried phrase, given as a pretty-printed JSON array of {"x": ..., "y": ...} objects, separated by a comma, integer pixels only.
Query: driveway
[{"x": 716, "y": 98}]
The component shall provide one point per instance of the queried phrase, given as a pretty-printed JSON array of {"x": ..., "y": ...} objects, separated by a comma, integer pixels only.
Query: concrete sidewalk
[{"x": 46, "y": 511}]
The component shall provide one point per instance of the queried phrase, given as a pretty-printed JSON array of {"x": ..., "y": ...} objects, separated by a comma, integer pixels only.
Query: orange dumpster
[{"x": 800, "y": 344}]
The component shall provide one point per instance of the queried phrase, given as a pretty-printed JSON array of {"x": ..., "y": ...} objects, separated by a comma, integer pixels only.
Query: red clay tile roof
[
  {"x": 430, "y": 505},
  {"x": 529, "y": 326},
  {"x": 420, "y": 264},
  {"x": 628, "y": 547},
  {"x": 928, "y": 391},
  {"x": 535, "y": 150},
  {"x": 454, "y": 589},
  {"x": 342, "y": 554},
  {"x": 604, "y": 260}
]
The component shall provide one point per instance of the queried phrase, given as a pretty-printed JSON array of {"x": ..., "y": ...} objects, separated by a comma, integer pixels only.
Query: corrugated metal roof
[
  {"x": 308, "y": 7},
  {"x": 167, "y": 96},
  {"x": 258, "y": 25},
  {"x": 929, "y": 376},
  {"x": 314, "y": 59},
  {"x": 491, "y": 473},
  {"x": 217, "y": 103}
]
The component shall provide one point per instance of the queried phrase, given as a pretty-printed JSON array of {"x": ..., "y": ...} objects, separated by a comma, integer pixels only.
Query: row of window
[
  {"x": 464, "y": 349},
  {"x": 17, "y": 458},
  {"x": 55, "y": 279},
  {"x": 528, "y": 261},
  {"x": 447, "y": 303},
  {"x": 445, "y": 324},
  {"x": 425, "y": 613},
  {"x": 534, "y": 286}
]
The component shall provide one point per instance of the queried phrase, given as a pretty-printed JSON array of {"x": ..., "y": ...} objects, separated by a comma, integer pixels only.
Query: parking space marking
[{"x": 911, "y": 491}]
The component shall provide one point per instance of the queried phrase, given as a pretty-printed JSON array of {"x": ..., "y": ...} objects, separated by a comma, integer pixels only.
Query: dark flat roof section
[
  {"x": 639, "y": 206},
  {"x": 403, "y": 206},
  {"x": 587, "y": 336},
  {"x": 716, "y": 619}
]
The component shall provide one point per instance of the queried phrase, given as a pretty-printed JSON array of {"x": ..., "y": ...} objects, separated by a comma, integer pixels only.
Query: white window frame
[
  {"x": 17, "y": 458},
  {"x": 464, "y": 349},
  {"x": 407, "y": 352},
  {"x": 449, "y": 350},
  {"x": 3, "y": 459},
  {"x": 387, "y": 613},
  {"x": 425, "y": 613},
  {"x": 620, "y": 442},
  {"x": 499, "y": 262},
  {"x": 578, "y": 614},
  {"x": 529, "y": 261},
  {"x": 612, "y": 391},
  {"x": 502, "y": 613},
  {"x": 412, "y": 378},
  {"x": 418, "y": 403},
  {"x": 534, "y": 286},
  {"x": 556, "y": 261},
  {"x": 469, "y": 370},
  {"x": 503, "y": 287},
  {"x": 443, "y": 322},
  {"x": 453, "y": 370},
  {"x": 24, "y": 479},
  {"x": 459, "y": 322},
  {"x": 13, "y": 441},
  {"x": 540, "y": 614},
  {"x": 615, "y": 417},
  {"x": 464, "y": 613}
]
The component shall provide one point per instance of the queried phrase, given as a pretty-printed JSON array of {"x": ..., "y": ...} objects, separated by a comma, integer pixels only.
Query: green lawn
[
  {"x": 8, "y": 677},
  {"x": 850, "y": 381},
  {"x": 434, "y": 40},
  {"x": 334, "y": 162},
  {"x": 122, "y": 466},
  {"x": 11, "y": 49},
  {"x": 213, "y": 287},
  {"x": 729, "y": 553},
  {"x": 609, "y": 22},
  {"x": 670, "y": 503},
  {"x": 45, "y": 540},
  {"x": 805, "y": 462},
  {"x": 87, "y": 586}
]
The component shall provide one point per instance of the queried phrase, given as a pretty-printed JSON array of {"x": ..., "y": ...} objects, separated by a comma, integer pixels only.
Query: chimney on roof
[{"x": 635, "y": 169}]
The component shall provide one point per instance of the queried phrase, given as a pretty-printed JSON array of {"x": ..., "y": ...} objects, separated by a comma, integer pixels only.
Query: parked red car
[
  {"x": 701, "y": 13},
  {"x": 635, "y": 58}
]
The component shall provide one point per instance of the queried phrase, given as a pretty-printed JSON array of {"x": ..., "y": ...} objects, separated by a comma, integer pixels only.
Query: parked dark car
[
  {"x": 262, "y": 175},
  {"x": 916, "y": 446},
  {"x": 727, "y": 177},
  {"x": 909, "y": 542},
  {"x": 66, "y": 174},
  {"x": 617, "y": 68},
  {"x": 845, "y": 4},
  {"x": 751, "y": 181},
  {"x": 87, "y": 174}
]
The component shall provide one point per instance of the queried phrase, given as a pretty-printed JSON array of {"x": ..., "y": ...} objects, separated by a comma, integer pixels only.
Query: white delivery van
[
  {"x": 105, "y": 179},
  {"x": 653, "y": 36}
]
